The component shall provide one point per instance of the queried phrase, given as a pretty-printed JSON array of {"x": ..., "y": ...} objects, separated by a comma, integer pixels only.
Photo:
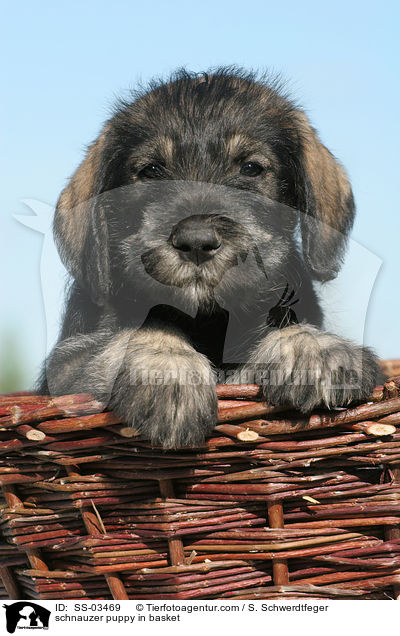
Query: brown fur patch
[
  {"x": 238, "y": 144},
  {"x": 166, "y": 148},
  {"x": 72, "y": 213},
  {"x": 328, "y": 179}
]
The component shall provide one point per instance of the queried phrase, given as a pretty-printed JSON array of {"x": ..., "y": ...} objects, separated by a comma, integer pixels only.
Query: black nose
[{"x": 196, "y": 239}]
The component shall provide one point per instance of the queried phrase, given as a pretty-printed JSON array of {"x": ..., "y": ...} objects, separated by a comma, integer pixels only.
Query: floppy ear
[
  {"x": 326, "y": 204},
  {"x": 80, "y": 224}
]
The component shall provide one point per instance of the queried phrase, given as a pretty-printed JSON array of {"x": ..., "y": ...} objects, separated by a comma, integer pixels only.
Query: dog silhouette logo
[{"x": 26, "y": 615}]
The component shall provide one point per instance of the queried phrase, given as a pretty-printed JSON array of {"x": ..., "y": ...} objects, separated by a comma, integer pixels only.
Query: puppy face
[
  {"x": 198, "y": 174},
  {"x": 200, "y": 239}
]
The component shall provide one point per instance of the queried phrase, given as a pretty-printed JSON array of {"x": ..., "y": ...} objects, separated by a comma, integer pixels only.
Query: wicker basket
[{"x": 274, "y": 506}]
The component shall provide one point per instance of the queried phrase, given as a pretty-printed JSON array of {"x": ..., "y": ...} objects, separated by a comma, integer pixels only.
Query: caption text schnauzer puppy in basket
[{"x": 193, "y": 230}]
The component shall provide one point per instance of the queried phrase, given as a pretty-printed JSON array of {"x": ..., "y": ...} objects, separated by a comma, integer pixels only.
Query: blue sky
[{"x": 65, "y": 63}]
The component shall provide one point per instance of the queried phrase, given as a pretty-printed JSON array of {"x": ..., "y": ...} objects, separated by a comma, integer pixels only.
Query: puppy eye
[
  {"x": 251, "y": 169},
  {"x": 151, "y": 171}
]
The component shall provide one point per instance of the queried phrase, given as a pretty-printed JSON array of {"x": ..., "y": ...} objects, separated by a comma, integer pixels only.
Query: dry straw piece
[{"x": 275, "y": 505}]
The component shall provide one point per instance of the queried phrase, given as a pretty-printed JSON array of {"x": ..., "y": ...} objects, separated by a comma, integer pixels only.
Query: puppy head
[{"x": 195, "y": 173}]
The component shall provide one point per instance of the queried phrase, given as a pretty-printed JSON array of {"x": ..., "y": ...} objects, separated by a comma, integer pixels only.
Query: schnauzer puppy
[{"x": 193, "y": 231}]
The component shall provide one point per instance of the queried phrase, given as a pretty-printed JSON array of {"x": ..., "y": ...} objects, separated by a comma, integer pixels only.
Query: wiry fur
[
  {"x": 145, "y": 328},
  {"x": 303, "y": 366}
]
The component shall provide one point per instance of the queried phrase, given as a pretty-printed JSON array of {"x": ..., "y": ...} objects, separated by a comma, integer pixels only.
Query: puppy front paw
[
  {"x": 304, "y": 367},
  {"x": 169, "y": 398}
]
